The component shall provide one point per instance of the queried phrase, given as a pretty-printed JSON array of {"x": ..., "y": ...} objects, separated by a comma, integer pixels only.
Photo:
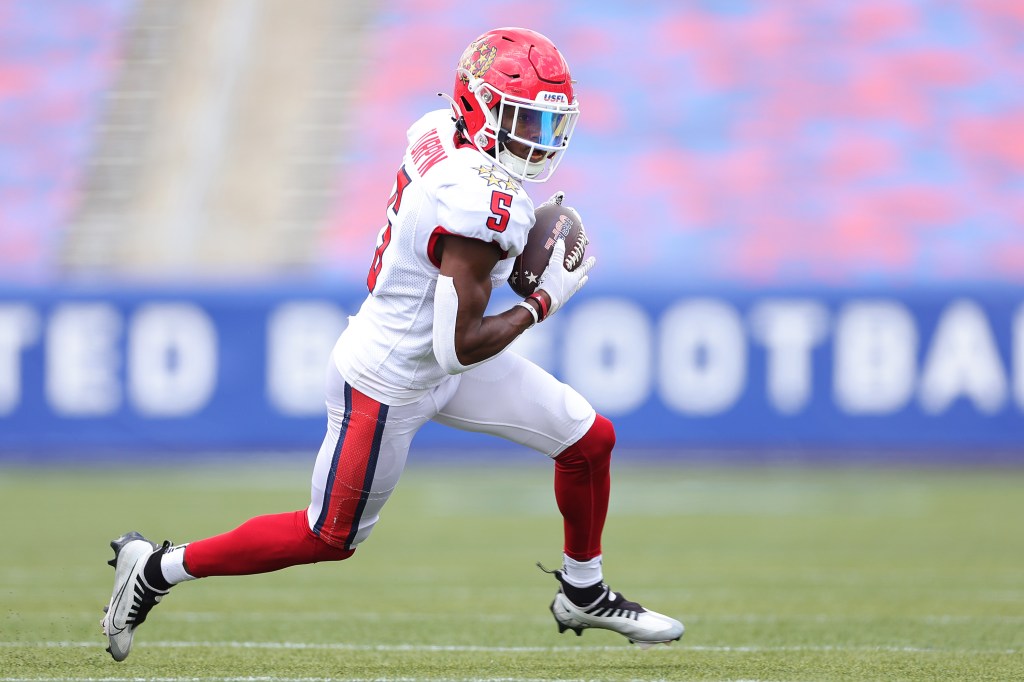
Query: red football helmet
[{"x": 514, "y": 101}]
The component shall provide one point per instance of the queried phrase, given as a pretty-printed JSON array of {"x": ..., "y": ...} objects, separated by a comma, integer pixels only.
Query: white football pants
[{"x": 367, "y": 443}]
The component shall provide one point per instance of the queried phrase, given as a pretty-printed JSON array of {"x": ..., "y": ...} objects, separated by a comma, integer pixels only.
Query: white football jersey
[{"x": 386, "y": 352}]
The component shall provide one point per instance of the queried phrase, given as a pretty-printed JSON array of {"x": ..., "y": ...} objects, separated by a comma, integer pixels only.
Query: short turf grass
[{"x": 778, "y": 573}]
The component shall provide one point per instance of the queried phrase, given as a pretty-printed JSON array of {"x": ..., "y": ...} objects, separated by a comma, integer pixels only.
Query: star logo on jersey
[
  {"x": 496, "y": 178},
  {"x": 512, "y": 186}
]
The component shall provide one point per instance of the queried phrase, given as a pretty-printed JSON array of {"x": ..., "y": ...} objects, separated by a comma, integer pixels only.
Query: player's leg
[
  {"x": 359, "y": 463},
  {"x": 515, "y": 399}
]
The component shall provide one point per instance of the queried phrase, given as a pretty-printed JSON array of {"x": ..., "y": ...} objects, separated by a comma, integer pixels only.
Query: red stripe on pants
[{"x": 350, "y": 484}]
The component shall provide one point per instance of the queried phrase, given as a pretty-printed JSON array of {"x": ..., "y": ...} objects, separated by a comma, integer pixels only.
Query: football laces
[{"x": 575, "y": 256}]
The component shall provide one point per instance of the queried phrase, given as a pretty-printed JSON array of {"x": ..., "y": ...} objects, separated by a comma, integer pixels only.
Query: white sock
[
  {"x": 172, "y": 565},
  {"x": 582, "y": 573}
]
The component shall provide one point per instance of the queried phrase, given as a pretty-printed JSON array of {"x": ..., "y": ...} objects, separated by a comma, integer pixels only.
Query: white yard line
[
  {"x": 429, "y": 648},
  {"x": 276, "y": 616}
]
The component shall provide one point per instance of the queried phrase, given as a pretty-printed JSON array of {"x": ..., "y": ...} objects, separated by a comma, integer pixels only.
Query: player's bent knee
[
  {"x": 602, "y": 434},
  {"x": 319, "y": 549},
  {"x": 325, "y": 552},
  {"x": 594, "y": 448}
]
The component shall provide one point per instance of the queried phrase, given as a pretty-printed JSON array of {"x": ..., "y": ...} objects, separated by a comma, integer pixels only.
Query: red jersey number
[
  {"x": 394, "y": 204},
  {"x": 378, "y": 258},
  {"x": 500, "y": 203}
]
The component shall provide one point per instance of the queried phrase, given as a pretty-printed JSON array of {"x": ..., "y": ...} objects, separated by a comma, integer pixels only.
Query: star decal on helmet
[
  {"x": 496, "y": 178},
  {"x": 477, "y": 60}
]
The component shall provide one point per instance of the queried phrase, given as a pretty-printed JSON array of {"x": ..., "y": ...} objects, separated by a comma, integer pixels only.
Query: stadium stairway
[{"x": 217, "y": 152}]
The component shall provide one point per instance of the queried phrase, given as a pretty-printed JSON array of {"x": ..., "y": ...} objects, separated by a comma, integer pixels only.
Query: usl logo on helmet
[{"x": 552, "y": 97}]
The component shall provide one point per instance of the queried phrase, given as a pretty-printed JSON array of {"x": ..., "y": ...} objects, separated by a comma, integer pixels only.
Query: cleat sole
[
  {"x": 562, "y": 627},
  {"x": 647, "y": 645},
  {"x": 118, "y": 544}
]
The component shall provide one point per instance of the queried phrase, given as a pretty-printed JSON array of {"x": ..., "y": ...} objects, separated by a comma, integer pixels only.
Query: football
[{"x": 552, "y": 223}]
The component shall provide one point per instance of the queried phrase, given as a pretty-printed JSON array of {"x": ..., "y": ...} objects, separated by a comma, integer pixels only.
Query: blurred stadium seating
[
  {"x": 809, "y": 142},
  {"x": 58, "y": 61},
  {"x": 815, "y": 142},
  {"x": 826, "y": 153}
]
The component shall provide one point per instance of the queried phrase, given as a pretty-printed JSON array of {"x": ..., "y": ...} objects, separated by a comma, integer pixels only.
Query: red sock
[
  {"x": 260, "y": 545},
  {"x": 582, "y": 484}
]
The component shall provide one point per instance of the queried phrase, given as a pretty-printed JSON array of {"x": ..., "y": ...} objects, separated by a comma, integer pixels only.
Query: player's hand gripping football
[{"x": 560, "y": 283}]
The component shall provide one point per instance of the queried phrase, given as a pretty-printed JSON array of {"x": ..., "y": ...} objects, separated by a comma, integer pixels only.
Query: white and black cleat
[
  {"x": 612, "y": 611},
  {"x": 132, "y": 598}
]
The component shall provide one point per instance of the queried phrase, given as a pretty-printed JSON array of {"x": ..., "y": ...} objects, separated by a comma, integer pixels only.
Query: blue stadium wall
[
  {"x": 835, "y": 189},
  {"x": 932, "y": 373}
]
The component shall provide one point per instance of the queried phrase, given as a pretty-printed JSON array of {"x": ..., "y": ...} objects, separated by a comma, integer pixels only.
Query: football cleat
[
  {"x": 133, "y": 597},
  {"x": 612, "y": 611}
]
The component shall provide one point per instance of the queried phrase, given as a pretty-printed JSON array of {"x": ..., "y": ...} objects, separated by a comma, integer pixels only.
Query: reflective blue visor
[{"x": 546, "y": 128}]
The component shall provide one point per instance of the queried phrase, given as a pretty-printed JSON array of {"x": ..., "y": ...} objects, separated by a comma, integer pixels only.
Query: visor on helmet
[
  {"x": 525, "y": 136},
  {"x": 543, "y": 128}
]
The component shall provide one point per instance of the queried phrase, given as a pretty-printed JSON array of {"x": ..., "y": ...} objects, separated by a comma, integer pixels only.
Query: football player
[{"x": 421, "y": 348}]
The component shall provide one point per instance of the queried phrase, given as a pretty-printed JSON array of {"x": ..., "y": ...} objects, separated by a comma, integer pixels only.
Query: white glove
[
  {"x": 556, "y": 199},
  {"x": 559, "y": 283}
]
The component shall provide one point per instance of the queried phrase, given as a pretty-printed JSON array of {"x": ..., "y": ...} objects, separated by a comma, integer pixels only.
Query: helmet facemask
[{"x": 525, "y": 137}]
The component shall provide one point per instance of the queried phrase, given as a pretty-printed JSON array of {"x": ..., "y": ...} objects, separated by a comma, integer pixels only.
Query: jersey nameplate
[{"x": 427, "y": 151}]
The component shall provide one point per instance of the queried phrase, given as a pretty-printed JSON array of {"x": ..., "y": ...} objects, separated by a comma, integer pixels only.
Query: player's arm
[{"x": 463, "y": 335}]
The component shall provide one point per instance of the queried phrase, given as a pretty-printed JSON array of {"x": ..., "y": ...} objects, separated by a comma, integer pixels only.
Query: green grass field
[{"x": 778, "y": 574}]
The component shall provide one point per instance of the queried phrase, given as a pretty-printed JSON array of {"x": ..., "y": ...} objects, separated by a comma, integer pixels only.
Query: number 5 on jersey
[
  {"x": 384, "y": 239},
  {"x": 498, "y": 221}
]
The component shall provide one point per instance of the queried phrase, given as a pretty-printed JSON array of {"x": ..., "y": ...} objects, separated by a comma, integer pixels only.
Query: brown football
[{"x": 552, "y": 222}]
